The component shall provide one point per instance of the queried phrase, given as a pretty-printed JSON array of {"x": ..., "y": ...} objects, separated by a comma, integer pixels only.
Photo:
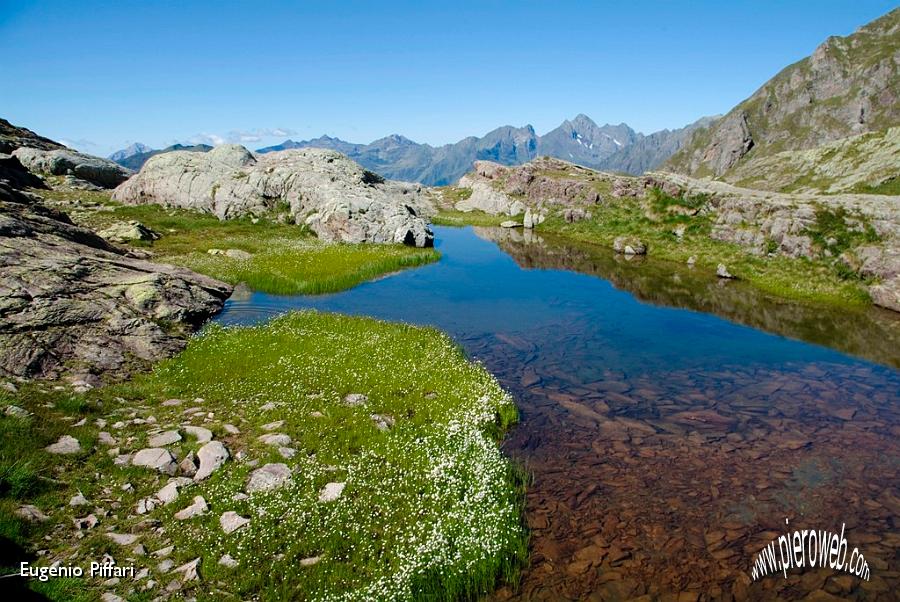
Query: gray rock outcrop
[
  {"x": 62, "y": 162},
  {"x": 68, "y": 297},
  {"x": 335, "y": 197}
]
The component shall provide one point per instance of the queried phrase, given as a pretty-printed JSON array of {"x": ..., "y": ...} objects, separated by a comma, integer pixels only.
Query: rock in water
[
  {"x": 629, "y": 245},
  {"x": 71, "y": 297},
  {"x": 61, "y": 162},
  {"x": 335, "y": 197},
  {"x": 722, "y": 272}
]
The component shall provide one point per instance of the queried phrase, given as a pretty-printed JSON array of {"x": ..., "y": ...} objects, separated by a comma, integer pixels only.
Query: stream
[{"x": 671, "y": 421}]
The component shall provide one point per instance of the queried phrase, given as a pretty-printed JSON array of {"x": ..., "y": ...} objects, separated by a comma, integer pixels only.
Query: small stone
[
  {"x": 203, "y": 435},
  {"x": 165, "y": 566},
  {"x": 237, "y": 254},
  {"x": 287, "y": 452},
  {"x": 279, "y": 439},
  {"x": 196, "y": 509},
  {"x": 139, "y": 550},
  {"x": 212, "y": 456},
  {"x": 16, "y": 411},
  {"x": 722, "y": 272},
  {"x": 9, "y": 387},
  {"x": 157, "y": 458},
  {"x": 310, "y": 561},
  {"x": 166, "y": 438},
  {"x": 270, "y": 476},
  {"x": 172, "y": 402},
  {"x": 227, "y": 561},
  {"x": 145, "y": 505},
  {"x": 510, "y": 224},
  {"x": 111, "y": 597},
  {"x": 164, "y": 552},
  {"x": 331, "y": 492},
  {"x": 78, "y": 500},
  {"x": 123, "y": 539},
  {"x": 65, "y": 445},
  {"x": 188, "y": 466},
  {"x": 169, "y": 493},
  {"x": 88, "y": 522},
  {"x": 355, "y": 399},
  {"x": 231, "y": 429},
  {"x": 232, "y": 521},
  {"x": 383, "y": 422},
  {"x": 31, "y": 513},
  {"x": 273, "y": 425},
  {"x": 106, "y": 439},
  {"x": 189, "y": 570}
]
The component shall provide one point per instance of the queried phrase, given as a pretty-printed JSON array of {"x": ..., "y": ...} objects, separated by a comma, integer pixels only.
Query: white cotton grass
[{"x": 429, "y": 510}]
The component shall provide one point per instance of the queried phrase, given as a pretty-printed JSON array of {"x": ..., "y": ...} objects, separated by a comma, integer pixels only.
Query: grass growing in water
[
  {"x": 431, "y": 509},
  {"x": 286, "y": 258}
]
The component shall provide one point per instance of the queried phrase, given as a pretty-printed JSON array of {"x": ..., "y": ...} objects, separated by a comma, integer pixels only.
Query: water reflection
[{"x": 667, "y": 446}]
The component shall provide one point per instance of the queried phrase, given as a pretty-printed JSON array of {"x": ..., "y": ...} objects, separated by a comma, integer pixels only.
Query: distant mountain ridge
[
  {"x": 580, "y": 140},
  {"x": 135, "y": 149}
]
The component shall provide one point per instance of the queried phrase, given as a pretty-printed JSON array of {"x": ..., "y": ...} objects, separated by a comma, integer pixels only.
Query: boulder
[
  {"x": 331, "y": 492},
  {"x": 128, "y": 231},
  {"x": 166, "y": 438},
  {"x": 69, "y": 297},
  {"x": 201, "y": 434},
  {"x": 629, "y": 245},
  {"x": 270, "y": 476},
  {"x": 197, "y": 507},
  {"x": 335, "y": 197},
  {"x": 232, "y": 521},
  {"x": 276, "y": 439},
  {"x": 61, "y": 162},
  {"x": 65, "y": 445},
  {"x": 157, "y": 458},
  {"x": 211, "y": 456}
]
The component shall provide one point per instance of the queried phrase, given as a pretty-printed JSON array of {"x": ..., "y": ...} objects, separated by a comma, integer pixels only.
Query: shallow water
[{"x": 672, "y": 422}]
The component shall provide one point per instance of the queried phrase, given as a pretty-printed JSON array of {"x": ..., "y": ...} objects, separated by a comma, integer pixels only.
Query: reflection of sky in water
[{"x": 477, "y": 289}]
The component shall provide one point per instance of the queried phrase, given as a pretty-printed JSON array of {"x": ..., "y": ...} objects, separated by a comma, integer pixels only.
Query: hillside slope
[{"x": 848, "y": 86}]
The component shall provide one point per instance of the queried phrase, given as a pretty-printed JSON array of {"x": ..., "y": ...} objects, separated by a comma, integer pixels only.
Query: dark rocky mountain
[
  {"x": 129, "y": 151},
  {"x": 848, "y": 86},
  {"x": 13, "y": 137},
  {"x": 135, "y": 161},
  {"x": 580, "y": 140}
]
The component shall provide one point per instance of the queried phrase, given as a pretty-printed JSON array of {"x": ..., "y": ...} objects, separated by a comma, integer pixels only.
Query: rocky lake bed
[{"x": 587, "y": 365}]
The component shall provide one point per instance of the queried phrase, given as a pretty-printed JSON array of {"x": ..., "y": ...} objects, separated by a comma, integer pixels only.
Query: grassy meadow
[{"x": 430, "y": 508}]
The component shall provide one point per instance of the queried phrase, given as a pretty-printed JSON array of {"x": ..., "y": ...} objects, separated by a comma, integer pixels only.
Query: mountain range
[{"x": 579, "y": 140}]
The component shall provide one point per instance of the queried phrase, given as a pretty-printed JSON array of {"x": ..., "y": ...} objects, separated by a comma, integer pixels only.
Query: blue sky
[{"x": 103, "y": 74}]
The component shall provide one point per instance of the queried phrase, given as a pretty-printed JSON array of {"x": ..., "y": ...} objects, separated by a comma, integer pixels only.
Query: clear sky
[{"x": 100, "y": 75}]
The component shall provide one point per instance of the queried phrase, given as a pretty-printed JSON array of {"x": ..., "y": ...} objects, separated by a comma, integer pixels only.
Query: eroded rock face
[
  {"x": 335, "y": 197},
  {"x": 70, "y": 298},
  {"x": 62, "y": 162}
]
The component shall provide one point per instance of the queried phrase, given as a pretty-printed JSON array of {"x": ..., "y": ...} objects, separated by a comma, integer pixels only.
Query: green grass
[
  {"x": 833, "y": 233},
  {"x": 891, "y": 186},
  {"x": 287, "y": 258},
  {"x": 452, "y": 217},
  {"x": 653, "y": 222},
  {"x": 432, "y": 510}
]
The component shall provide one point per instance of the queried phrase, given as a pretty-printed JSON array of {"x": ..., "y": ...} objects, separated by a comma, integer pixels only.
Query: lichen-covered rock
[
  {"x": 62, "y": 162},
  {"x": 335, "y": 197},
  {"x": 68, "y": 296},
  {"x": 128, "y": 231}
]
